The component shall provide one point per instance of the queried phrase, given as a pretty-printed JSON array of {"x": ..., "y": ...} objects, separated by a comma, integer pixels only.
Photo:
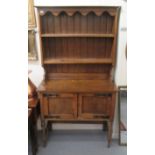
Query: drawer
[
  {"x": 95, "y": 106},
  {"x": 60, "y": 105}
]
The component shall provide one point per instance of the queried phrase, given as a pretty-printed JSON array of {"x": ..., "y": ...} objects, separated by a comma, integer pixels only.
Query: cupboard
[{"x": 78, "y": 54}]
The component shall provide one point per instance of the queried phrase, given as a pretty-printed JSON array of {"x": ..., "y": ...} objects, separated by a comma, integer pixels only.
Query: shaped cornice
[{"x": 71, "y": 11}]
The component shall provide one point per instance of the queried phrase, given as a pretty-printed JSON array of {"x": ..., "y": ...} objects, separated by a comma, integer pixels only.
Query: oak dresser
[{"x": 78, "y": 54}]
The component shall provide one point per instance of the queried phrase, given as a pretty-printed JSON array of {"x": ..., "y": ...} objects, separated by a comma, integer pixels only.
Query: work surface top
[{"x": 77, "y": 86}]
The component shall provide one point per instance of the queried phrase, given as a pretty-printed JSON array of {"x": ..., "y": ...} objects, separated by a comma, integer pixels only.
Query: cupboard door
[
  {"x": 61, "y": 106},
  {"x": 95, "y": 106}
]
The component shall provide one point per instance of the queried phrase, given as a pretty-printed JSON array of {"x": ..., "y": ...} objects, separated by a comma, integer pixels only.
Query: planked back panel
[
  {"x": 77, "y": 47},
  {"x": 77, "y": 23}
]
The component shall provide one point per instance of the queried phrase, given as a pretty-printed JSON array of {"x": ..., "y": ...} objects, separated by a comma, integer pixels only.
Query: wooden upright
[{"x": 78, "y": 54}]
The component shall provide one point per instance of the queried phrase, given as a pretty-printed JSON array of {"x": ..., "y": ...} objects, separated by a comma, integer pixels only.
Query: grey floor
[{"x": 80, "y": 143}]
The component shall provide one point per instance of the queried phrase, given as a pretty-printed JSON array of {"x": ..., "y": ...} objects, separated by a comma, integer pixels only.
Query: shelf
[
  {"x": 84, "y": 86},
  {"x": 78, "y": 35},
  {"x": 78, "y": 61}
]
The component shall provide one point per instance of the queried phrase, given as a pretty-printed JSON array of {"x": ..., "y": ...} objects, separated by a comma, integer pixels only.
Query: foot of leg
[{"x": 109, "y": 133}]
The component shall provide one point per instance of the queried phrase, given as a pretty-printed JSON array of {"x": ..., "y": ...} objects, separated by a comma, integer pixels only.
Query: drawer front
[
  {"x": 95, "y": 106},
  {"x": 60, "y": 105}
]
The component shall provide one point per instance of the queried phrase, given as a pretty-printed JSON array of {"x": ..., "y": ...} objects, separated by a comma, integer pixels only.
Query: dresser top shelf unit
[{"x": 78, "y": 42}]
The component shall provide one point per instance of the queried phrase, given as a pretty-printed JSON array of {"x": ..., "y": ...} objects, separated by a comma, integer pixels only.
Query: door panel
[
  {"x": 61, "y": 106},
  {"x": 95, "y": 106}
]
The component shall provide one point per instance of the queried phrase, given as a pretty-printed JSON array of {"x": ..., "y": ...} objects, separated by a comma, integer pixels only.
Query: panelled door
[
  {"x": 60, "y": 105},
  {"x": 94, "y": 105}
]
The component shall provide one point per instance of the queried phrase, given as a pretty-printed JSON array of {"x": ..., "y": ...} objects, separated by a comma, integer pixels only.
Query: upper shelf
[
  {"x": 78, "y": 35},
  {"x": 78, "y": 61}
]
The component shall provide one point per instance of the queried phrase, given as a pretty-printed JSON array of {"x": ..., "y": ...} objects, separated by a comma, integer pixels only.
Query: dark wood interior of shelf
[
  {"x": 77, "y": 23},
  {"x": 77, "y": 47}
]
